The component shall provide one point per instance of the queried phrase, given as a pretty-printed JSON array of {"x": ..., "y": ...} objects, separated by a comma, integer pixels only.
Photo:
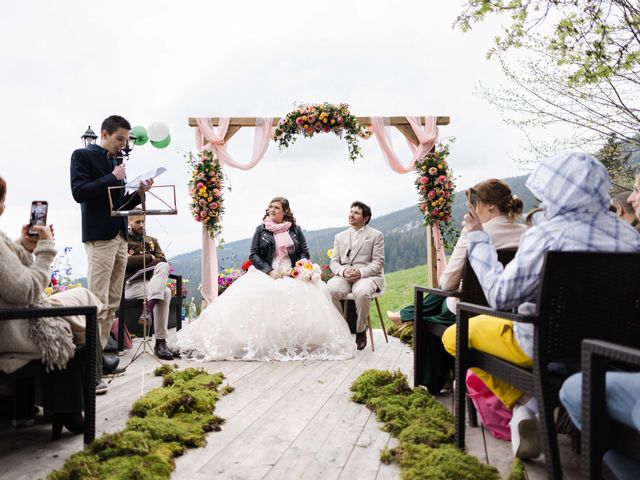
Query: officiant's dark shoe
[
  {"x": 109, "y": 364},
  {"x": 162, "y": 351},
  {"x": 361, "y": 340}
]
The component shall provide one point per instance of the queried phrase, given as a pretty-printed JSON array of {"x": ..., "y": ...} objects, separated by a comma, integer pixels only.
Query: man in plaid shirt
[{"x": 574, "y": 190}]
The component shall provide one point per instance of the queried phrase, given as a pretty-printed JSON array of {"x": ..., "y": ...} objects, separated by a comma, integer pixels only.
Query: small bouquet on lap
[{"x": 306, "y": 270}]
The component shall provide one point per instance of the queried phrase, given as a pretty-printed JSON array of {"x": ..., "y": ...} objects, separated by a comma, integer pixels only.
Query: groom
[{"x": 358, "y": 266}]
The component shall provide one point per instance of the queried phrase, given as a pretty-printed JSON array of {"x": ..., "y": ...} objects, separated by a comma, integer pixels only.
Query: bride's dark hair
[{"x": 288, "y": 214}]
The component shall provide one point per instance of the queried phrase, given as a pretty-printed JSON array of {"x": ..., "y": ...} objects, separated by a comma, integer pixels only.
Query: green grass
[{"x": 398, "y": 292}]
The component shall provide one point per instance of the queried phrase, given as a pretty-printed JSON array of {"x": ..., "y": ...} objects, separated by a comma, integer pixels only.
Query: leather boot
[{"x": 162, "y": 351}]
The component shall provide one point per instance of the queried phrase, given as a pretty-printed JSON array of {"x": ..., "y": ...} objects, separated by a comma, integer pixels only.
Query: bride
[{"x": 266, "y": 314}]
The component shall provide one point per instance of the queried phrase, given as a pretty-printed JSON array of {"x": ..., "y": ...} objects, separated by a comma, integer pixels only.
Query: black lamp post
[{"x": 89, "y": 137}]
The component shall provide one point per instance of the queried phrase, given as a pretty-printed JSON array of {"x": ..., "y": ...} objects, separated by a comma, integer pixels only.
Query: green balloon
[
  {"x": 141, "y": 134},
  {"x": 162, "y": 143}
]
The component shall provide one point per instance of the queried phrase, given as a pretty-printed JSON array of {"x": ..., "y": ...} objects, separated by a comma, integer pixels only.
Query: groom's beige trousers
[{"x": 362, "y": 290}]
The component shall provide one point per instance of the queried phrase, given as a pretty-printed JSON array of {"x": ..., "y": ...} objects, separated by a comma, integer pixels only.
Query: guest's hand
[
  {"x": 120, "y": 171},
  {"x": 352, "y": 274},
  {"x": 28, "y": 242},
  {"x": 471, "y": 219},
  {"x": 275, "y": 275}
]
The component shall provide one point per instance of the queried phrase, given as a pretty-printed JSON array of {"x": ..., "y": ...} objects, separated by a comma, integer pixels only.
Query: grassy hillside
[{"x": 399, "y": 291}]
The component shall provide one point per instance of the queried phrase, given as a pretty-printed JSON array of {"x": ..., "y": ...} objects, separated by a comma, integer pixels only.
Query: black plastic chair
[
  {"x": 137, "y": 305},
  {"x": 581, "y": 295},
  {"x": 470, "y": 292},
  {"x": 609, "y": 449},
  {"x": 86, "y": 354}
]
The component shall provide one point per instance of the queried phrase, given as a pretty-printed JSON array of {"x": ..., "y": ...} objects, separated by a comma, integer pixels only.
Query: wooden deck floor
[{"x": 287, "y": 420}]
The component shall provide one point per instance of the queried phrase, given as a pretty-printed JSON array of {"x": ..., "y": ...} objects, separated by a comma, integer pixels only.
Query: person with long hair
[
  {"x": 267, "y": 314},
  {"x": 498, "y": 208}
]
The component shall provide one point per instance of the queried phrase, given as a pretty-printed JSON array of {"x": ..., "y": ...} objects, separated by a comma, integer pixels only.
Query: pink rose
[
  {"x": 433, "y": 171},
  {"x": 216, "y": 191},
  {"x": 198, "y": 219},
  {"x": 202, "y": 202},
  {"x": 423, "y": 188},
  {"x": 435, "y": 211},
  {"x": 339, "y": 120},
  {"x": 299, "y": 121},
  {"x": 199, "y": 185},
  {"x": 326, "y": 129},
  {"x": 442, "y": 179},
  {"x": 203, "y": 214},
  {"x": 431, "y": 194},
  {"x": 424, "y": 180},
  {"x": 213, "y": 205},
  {"x": 423, "y": 207}
]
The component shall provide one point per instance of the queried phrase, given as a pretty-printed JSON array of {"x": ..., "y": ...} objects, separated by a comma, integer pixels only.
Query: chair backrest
[
  {"x": 471, "y": 291},
  {"x": 587, "y": 295}
]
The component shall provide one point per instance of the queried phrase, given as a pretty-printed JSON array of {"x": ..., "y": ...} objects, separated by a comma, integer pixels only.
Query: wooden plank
[{"x": 251, "y": 121}]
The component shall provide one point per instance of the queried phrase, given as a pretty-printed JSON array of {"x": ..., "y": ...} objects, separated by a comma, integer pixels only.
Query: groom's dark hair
[{"x": 366, "y": 210}]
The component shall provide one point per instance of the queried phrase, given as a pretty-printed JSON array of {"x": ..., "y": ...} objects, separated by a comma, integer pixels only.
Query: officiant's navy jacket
[{"x": 90, "y": 176}]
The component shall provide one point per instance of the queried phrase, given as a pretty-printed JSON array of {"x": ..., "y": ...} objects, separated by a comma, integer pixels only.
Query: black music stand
[{"x": 164, "y": 208}]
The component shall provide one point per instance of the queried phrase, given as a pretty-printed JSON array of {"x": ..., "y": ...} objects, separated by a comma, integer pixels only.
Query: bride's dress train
[{"x": 258, "y": 318}]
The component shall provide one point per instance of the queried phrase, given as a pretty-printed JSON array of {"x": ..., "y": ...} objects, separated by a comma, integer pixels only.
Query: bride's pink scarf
[{"x": 281, "y": 234}]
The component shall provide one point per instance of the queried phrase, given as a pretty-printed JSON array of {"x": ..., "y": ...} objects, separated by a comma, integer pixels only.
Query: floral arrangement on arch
[
  {"x": 207, "y": 183},
  {"x": 435, "y": 185},
  {"x": 309, "y": 119},
  {"x": 306, "y": 270}
]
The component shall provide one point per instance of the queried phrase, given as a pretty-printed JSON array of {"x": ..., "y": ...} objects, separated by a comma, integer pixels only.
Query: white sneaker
[{"x": 525, "y": 440}]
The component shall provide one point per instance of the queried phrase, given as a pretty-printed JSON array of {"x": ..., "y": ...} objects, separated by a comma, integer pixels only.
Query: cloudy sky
[{"x": 67, "y": 65}]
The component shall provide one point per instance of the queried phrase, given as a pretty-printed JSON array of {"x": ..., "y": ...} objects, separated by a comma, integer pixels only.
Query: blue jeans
[{"x": 623, "y": 394}]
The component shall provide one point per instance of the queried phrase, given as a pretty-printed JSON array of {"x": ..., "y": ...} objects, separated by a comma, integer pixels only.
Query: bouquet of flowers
[
  {"x": 309, "y": 119},
  {"x": 227, "y": 277},
  {"x": 207, "y": 183},
  {"x": 435, "y": 186},
  {"x": 61, "y": 274},
  {"x": 306, "y": 270}
]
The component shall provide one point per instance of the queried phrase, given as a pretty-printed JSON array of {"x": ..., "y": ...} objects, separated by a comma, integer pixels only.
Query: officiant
[
  {"x": 155, "y": 276},
  {"x": 93, "y": 170}
]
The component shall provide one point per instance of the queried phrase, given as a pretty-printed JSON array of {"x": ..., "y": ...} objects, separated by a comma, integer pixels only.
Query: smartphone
[
  {"x": 471, "y": 196},
  {"x": 39, "y": 210}
]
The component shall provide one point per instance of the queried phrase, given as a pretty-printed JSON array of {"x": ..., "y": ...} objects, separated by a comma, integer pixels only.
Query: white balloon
[{"x": 158, "y": 131}]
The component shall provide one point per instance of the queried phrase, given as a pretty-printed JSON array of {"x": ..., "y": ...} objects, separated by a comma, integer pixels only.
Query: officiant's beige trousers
[
  {"x": 156, "y": 289},
  {"x": 106, "y": 264},
  {"x": 362, "y": 290}
]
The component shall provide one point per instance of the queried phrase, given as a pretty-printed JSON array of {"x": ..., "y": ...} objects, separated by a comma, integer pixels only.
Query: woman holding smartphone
[
  {"x": 497, "y": 208},
  {"x": 24, "y": 274}
]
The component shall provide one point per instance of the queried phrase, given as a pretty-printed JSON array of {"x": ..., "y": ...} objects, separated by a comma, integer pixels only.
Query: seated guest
[
  {"x": 574, "y": 190},
  {"x": 158, "y": 294},
  {"x": 621, "y": 206},
  {"x": 623, "y": 389},
  {"x": 497, "y": 208},
  {"x": 24, "y": 275}
]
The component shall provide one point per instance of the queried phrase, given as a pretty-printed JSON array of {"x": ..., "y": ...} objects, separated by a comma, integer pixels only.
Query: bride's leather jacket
[{"x": 263, "y": 247}]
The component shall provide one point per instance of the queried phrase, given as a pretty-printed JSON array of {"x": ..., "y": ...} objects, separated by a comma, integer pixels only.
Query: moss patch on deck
[
  {"x": 425, "y": 429},
  {"x": 404, "y": 333},
  {"x": 163, "y": 423}
]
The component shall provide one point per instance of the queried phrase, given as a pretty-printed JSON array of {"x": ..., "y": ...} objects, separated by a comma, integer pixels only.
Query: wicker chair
[
  {"x": 86, "y": 354},
  {"x": 470, "y": 292},
  {"x": 135, "y": 304},
  {"x": 609, "y": 449},
  {"x": 581, "y": 295}
]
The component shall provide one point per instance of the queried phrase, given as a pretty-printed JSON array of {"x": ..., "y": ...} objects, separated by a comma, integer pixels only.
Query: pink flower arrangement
[
  {"x": 206, "y": 192},
  {"x": 433, "y": 170}
]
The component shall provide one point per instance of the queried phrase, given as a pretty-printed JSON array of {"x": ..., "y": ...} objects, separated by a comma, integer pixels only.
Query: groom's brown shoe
[{"x": 361, "y": 340}]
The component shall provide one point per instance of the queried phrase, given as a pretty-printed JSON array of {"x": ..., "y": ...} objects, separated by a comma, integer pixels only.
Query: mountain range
[{"x": 404, "y": 233}]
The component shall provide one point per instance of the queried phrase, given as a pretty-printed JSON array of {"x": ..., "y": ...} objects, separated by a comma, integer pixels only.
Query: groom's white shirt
[{"x": 363, "y": 249}]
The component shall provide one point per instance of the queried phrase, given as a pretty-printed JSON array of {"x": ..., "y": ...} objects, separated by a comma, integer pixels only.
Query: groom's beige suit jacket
[{"x": 367, "y": 254}]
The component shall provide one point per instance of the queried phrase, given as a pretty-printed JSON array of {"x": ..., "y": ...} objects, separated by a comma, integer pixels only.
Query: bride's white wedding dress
[{"x": 259, "y": 318}]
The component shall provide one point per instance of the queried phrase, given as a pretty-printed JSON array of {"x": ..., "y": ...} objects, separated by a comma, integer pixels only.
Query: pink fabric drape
[
  {"x": 441, "y": 259},
  {"x": 212, "y": 139},
  {"x": 427, "y": 136},
  {"x": 215, "y": 140},
  {"x": 209, "y": 268}
]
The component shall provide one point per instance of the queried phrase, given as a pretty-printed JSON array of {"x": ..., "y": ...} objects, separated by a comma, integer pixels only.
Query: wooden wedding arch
[{"x": 400, "y": 123}]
